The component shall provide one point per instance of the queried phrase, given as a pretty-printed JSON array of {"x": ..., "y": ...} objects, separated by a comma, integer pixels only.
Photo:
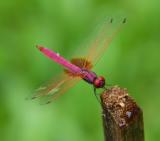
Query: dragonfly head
[{"x": 99, "y": 82}]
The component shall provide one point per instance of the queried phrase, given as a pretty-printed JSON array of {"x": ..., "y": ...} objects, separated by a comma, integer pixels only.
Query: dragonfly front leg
[{"x": 96, "y": 95}]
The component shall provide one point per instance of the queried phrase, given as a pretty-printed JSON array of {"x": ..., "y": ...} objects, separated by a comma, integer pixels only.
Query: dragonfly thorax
[
  {"x": 92, "y": 78},
  {"x": 88, "y": 76},
  {"x": 99, "y": 82}
]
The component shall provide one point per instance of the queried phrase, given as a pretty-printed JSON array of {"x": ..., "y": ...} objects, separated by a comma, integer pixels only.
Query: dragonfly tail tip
[{"x": 39, "y": 47}]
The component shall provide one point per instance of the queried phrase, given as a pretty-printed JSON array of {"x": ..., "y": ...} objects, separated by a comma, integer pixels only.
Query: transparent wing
[
  {"x": 63, "y": 88},
  {"x": 45, "y": 88},
  {"x": 107, "y": 33},
  {"x": 55, "y": 87}
]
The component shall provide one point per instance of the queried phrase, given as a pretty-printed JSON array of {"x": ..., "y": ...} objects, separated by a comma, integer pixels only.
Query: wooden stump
[{"x": 122, "y": 117}]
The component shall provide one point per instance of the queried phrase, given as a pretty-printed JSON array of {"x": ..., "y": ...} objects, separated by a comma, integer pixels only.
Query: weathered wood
[{"x": 122, "y": 117}]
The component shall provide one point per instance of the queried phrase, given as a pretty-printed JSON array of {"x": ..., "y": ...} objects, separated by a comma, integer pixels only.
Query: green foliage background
[{"x": 131, "y": 61}]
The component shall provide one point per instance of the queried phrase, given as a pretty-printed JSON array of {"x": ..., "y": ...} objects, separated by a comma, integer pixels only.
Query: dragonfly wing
[
  {"x": 82, "y": 63},
  {"x": 55, "y": 86},
  {"x": 63, "y": 88},
  {"x": 46, "y": 88},
  {"x": 103, "y": 40}
]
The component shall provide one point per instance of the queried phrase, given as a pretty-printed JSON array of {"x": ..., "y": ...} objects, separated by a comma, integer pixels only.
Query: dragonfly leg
[{"x": 96, "y": 95}]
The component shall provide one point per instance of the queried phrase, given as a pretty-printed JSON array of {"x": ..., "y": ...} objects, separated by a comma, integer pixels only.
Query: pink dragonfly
[{"x": 78, "y": 68}]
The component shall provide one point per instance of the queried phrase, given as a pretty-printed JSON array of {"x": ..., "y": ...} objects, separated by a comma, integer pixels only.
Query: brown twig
[{"x": 122, "y": 117}]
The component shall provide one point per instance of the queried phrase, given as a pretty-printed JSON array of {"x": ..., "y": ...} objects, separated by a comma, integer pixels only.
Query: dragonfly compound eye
[{"x": 99, "y": 82}]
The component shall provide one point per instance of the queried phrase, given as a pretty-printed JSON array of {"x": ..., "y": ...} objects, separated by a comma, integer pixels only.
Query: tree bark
[{"x": 122, "y": 117}]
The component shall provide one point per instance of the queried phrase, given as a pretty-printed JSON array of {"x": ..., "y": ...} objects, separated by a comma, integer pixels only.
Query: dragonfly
[{"x": 78, "y": 68}]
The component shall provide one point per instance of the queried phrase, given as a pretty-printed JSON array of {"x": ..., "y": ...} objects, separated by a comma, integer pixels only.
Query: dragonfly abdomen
[{"x": 59, "y": 59}]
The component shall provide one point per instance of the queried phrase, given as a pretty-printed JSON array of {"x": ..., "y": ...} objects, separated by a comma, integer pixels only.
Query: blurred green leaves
[{"x": 131, "y": 61}]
